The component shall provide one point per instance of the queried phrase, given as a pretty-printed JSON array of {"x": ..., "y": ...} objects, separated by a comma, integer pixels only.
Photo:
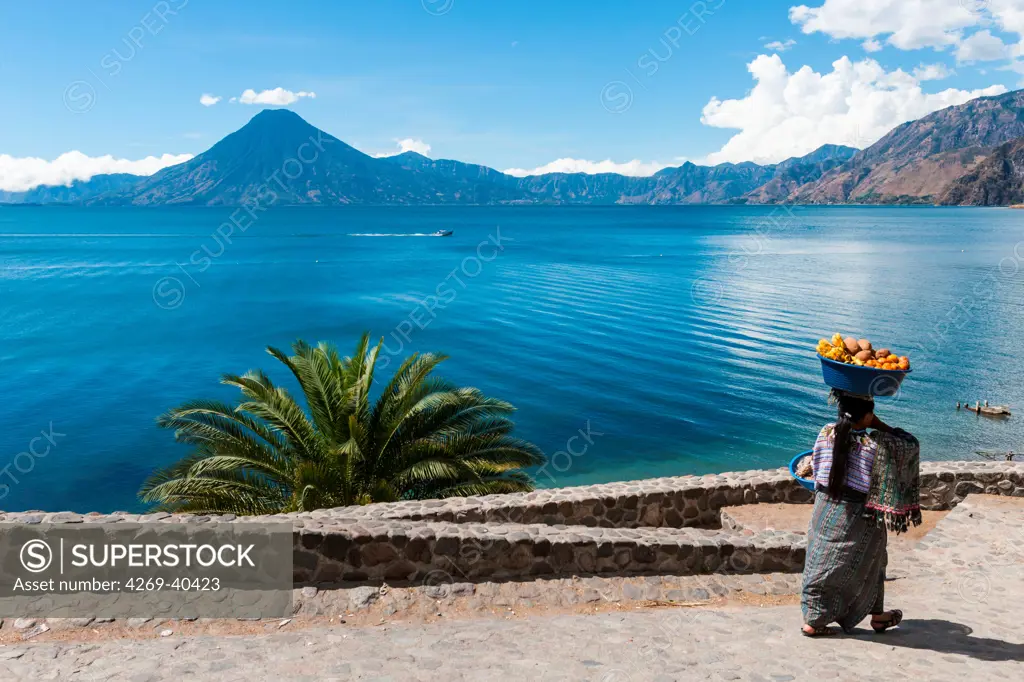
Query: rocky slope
[
  {"x": 996, "y": 181},
  {"x": 794, "y": 173},
  {"x": 918, "y": 160}
]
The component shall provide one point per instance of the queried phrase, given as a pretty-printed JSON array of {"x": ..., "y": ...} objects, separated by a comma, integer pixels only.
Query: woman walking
[{"x": 865, "y": 482}]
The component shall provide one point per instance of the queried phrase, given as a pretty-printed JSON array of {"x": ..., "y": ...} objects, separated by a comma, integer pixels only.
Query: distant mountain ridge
[
  {"x": 77, "y": 191},
  {"x": 917, "y": 161},
  {"x": 278, "y": 156},
  {"x": 964, "y": 154}
]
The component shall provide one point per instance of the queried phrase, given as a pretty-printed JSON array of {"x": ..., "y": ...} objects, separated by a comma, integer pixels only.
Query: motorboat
[
  {"x": 994, "y": 411},
  {"x": 442, "y": 233}
]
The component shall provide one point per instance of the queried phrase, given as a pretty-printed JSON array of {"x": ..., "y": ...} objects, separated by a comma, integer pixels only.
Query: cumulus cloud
[
  {"x": 208, "y": 100},
  {"x": 780, "y": 46},
  {"x": 966, "y": 26},
  {"x": 791, "y": 114},
  {"x": 633, "y": 168},
  {"x": 1017, "y": 67},
  {"x": 982, "y": 47},
  {"x": 932, "y": 72},
  {"x": 278, "y": 96},
  {"x": 408, "y": 144},
  {"x": 21, "y": 174},
  {"x": 907, "y": 24}
]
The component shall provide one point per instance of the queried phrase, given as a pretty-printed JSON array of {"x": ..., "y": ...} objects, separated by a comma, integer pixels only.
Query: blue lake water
[{"x": 684, "y": 336}]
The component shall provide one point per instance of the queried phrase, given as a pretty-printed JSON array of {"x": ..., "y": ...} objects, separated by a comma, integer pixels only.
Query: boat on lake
[
  {"x": 999, "y": 454},
  {"x": 993, "y": 411}
]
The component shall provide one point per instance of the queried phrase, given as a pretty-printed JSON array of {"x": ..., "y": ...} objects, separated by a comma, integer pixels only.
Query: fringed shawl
[{"x": 894, "y": 499}]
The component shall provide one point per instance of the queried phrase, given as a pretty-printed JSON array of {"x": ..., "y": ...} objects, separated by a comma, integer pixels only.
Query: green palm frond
[{"x": 421, "y": 438}]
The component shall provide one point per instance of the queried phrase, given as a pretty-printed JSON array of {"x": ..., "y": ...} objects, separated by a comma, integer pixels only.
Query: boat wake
[
  {"x": 379, "y": 234},
  {"x": 439, "y": 233}
]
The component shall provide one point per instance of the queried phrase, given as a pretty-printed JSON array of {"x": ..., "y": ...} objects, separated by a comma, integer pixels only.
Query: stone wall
[
  {"x": 946, "y": 484},
  {"x": 441, "y": 553},
  {"x": 664, "y": 525}
]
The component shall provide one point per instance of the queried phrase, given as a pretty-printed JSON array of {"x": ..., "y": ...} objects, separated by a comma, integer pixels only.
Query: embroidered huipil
[{"x": 858, "y": 463}]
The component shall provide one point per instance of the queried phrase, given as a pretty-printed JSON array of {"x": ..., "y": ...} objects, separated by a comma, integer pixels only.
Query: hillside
[
  {"x": 794, "y": 173},
  {"x": 917, "y": 161},
  {"x": 685, "y": 184},
  {"x": 78, "y": 191},
  {"x": 955, "y": 155},
  {"x": 280, "y": 158},
  {"x": 255, "y": 162},
  {"x": 996, "y": 181}
]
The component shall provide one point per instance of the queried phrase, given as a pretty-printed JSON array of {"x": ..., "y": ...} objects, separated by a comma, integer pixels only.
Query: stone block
[
  {"x": 964, "y": 488},
  {"x": 446, "y": 546},
  {"x": 417, "y": 550},
  {"x": 644, "y": 554},
  {"x": 334, "y": 546},
  {"x": 310, "y": 540},
  {"x": 400, "y": 570}
]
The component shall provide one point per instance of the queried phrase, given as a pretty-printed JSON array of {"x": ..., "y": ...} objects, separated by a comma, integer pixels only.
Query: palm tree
[{"x": 421, "y": 438}]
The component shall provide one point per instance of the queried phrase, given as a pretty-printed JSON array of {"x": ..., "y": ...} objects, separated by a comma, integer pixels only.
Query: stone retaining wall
[
  {"x": 632, "y": 527},
  {"x": 444, "y": 553},
  {"x": 945, "y": 484}
]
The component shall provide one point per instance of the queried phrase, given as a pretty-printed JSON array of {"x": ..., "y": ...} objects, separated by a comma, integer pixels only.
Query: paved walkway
[{"x": 962, "y": 590}]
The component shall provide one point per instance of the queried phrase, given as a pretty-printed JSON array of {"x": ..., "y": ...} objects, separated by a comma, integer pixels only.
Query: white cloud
[
  {"x": 791, "y": 114},
  {"x": 208, "y": 100},
  {"x": 914, "y": 24},
  {"x": 408, "y": 144},
  {"x": 932, "y": 72},
  {"x": 21, "y": 174},
  {"x": 1016, "y": 66},
  {"x": 1007, "y": 14},
  {"x": 780, "y": 46},
  {"x": 278, "y": 96},
  {"x": 908, "y": 24},
  {"x": 982, "y": 47},
  {"x": 633, "y": 168}
]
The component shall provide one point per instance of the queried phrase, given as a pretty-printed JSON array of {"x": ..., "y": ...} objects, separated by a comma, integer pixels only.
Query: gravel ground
[{"x": 961, "y": 588}]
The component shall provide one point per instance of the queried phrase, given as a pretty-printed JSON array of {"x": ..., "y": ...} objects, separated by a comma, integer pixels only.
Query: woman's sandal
[
  {"x": 894, "y": 619},
  {"x": 820, "y": 631}
]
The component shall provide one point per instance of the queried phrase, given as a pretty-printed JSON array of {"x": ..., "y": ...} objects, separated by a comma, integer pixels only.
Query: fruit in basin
[{"x": 861, "y": 352}]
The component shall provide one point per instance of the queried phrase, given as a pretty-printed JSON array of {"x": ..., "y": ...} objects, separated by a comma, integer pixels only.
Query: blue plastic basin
[
  {"x": 862, "y": 380},
  {"x": 807, "y": 483}
]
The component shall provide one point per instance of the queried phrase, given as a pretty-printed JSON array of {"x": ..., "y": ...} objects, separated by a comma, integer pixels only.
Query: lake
[{"x": 680, "y": 339}]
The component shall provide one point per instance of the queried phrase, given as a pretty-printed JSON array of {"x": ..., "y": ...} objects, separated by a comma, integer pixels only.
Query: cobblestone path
[{"x": 961, "y": 588}]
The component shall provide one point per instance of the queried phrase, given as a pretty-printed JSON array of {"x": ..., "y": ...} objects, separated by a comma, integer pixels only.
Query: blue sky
[{"x": 507, "y": 84}]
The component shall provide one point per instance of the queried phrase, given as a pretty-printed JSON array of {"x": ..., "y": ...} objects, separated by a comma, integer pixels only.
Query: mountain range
[{"x": 970, "y": 154}]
